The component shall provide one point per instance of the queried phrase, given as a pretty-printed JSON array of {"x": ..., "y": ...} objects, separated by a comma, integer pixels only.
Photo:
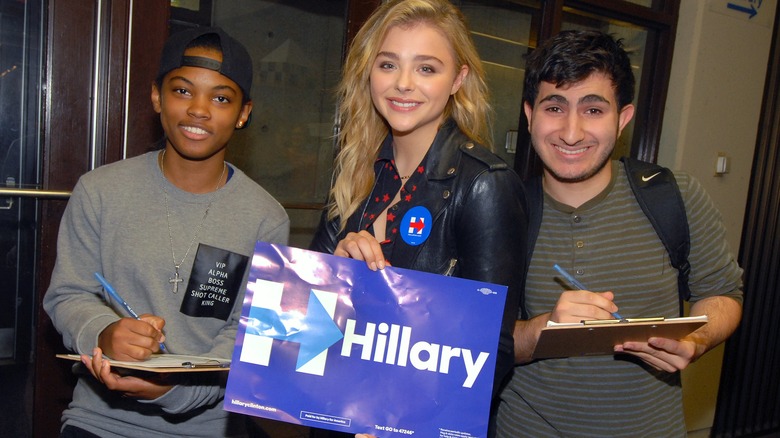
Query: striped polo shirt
[{"x": 609, "y": 245}]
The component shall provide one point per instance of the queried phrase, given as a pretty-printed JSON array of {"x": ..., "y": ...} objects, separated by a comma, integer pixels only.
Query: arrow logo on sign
[{"x": 315, "y": 332}]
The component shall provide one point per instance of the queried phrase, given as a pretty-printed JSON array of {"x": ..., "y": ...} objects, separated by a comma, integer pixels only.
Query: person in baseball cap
[
  {"x": 236, "y": 63},
  {"x": 154, "y": 226}
]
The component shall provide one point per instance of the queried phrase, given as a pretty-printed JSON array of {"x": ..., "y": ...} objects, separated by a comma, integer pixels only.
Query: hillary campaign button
[{"x": 416, "y": 225}]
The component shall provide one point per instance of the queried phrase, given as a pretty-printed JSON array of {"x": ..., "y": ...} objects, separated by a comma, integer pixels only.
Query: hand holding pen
[
  {"x": 122, "y": 303},
  {"x": 576, "y": 283}
]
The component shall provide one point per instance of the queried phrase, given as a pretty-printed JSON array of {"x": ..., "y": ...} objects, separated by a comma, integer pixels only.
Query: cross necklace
[{"x": 176, "y": 279}]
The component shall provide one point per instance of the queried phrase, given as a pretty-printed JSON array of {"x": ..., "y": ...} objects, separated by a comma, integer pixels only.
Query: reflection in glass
[
  {"x": 501, "y": 31},
  {"x": 288, "y": 147}
]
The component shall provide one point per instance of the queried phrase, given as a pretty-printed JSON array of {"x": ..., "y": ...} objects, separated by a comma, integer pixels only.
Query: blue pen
[
  {"x": 110, "y": 289},
  {"x": 574, "y": 282}
]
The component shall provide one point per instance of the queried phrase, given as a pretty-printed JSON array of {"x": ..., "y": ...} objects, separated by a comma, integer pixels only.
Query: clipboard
[
  {"x": 166, "y": 363},
  {"x": 594, "y": 338}
]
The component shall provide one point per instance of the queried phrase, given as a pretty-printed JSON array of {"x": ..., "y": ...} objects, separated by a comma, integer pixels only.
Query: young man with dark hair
[{"x": 577, "y": 97}]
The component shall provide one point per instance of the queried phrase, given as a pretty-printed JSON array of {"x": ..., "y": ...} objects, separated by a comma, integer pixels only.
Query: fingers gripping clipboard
[{"x": 593, "y": 338}]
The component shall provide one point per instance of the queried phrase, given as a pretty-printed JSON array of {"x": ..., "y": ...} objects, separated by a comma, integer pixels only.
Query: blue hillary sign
[{"x": 325, "y": 342}]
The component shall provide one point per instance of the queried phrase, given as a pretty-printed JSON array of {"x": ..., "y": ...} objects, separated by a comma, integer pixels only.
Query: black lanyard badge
[{"x": 214, "y": 283}]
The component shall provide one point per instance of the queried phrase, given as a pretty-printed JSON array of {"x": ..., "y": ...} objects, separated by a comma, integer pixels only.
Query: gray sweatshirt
[{"x": 118, "y": 223}]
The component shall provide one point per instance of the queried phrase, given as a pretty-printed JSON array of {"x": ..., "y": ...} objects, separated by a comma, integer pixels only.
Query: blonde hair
[{"x": 363, "y": 129}]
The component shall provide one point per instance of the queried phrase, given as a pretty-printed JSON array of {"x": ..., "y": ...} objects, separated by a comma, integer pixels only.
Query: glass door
[
  {"x": 502, "y": 32},
  {"x": 20, "y": 70}
]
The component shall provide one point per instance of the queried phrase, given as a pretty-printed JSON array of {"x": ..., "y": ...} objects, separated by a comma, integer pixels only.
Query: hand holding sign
[{"x": 318, "y": 332}]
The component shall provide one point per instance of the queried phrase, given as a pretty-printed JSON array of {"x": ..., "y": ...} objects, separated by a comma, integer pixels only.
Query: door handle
[{"x": 11, "y": 193}]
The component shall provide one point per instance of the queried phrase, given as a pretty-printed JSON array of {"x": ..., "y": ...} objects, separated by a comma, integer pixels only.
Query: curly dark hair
[{"x": 573, "y": 55}]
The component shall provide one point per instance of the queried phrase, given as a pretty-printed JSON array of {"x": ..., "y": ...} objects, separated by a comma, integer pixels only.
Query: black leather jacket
[{"x": 479, "y": 224}]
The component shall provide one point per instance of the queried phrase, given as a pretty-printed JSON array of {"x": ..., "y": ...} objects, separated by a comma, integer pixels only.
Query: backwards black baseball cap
[{"x": 236, "y": 63}]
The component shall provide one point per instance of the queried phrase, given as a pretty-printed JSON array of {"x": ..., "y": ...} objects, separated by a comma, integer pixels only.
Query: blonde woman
[{"x": 416, "y": 185}]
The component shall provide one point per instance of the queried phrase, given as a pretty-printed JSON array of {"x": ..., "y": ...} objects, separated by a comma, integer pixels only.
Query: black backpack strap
[
  {"x": 656, "y": 191},
  {"x": 535, "y": 197}
]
